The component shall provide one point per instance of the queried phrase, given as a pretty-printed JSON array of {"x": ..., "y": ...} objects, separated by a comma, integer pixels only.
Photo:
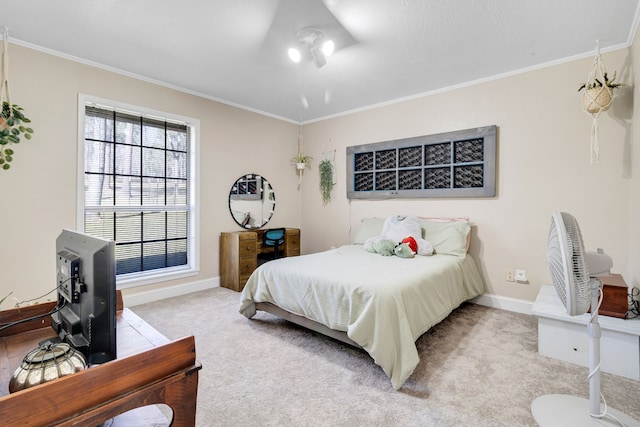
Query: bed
[{"x": 379, "y": 303}]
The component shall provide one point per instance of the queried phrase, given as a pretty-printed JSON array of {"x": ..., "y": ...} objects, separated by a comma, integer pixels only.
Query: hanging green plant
[
  {"x": 301, "y": 159},
  {"x": 597, "y": 97},
  {"x": 326, "y": 180},
  {"x": 11, "y": 130},
  {"x": 11, "y": 118}
]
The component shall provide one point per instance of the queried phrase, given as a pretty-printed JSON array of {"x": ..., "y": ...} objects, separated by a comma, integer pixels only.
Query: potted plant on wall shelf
[
  {"x": 301, "y": 161},
  {"x": 12, "y": 127},
  {"x": 596, "y": 95}
]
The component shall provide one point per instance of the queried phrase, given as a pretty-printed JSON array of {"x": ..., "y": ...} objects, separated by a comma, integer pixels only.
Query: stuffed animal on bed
[
  {"x": 411, "y": 242},
  {"x": 403, "y": 250},
  {"x": 397, "y": 228},
  {"x": 383, "y": 247}
]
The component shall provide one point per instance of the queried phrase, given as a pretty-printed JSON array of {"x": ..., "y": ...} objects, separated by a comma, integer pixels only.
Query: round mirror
[{"x": 252, "y": 201}]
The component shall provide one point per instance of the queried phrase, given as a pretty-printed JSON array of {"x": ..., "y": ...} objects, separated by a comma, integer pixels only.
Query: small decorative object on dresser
[{"x": 239, "y": 252}]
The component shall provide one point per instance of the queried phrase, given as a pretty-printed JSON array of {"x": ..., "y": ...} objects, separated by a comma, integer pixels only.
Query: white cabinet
[{"x": 565, "y": 337}]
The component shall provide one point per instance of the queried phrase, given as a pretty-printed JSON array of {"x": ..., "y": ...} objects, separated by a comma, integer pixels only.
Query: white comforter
[{"x": 383, "y": 303}]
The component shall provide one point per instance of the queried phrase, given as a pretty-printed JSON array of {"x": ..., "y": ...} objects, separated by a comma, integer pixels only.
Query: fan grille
[{"x": 567, "y": 264}]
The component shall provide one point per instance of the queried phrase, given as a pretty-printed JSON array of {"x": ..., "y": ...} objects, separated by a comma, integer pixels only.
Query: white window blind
[{"x": 137, "y": 189}]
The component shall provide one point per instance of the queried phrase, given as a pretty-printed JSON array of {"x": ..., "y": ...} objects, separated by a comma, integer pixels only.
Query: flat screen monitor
[{"x": 86, "y": 284}]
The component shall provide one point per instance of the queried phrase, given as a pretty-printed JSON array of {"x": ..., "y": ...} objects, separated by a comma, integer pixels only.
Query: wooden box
[{"x": 615, "y": 301}]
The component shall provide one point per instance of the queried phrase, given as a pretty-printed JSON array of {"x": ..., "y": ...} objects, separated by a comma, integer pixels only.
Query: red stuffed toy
[{"x": 411, "y": 242}]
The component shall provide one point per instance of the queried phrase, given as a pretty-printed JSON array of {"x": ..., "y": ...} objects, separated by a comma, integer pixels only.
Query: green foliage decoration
[
  {"x": 326, "y": 180},
  {"x": 597, "y": 83},
  {"x": 12, "y": 128},
  {"x": 301, "y": 158}
]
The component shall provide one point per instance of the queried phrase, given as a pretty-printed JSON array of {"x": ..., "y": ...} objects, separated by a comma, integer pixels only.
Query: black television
[{"x": 86, "y": 292}]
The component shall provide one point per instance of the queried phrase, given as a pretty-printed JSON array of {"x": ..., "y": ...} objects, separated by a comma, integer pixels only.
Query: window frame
[{"x": 192, "y": 268}]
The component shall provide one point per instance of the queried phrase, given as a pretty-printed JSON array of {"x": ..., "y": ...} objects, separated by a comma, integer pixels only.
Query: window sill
[{"x": 147, "y": 278}]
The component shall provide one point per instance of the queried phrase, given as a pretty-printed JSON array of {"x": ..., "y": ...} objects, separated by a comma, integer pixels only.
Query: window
[
  {"x": 453, "y": 164},
  {"x": 137, "y": 188}
]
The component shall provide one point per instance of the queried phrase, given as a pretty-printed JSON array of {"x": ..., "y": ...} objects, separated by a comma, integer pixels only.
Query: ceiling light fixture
[{"x": 312, "y": 40}]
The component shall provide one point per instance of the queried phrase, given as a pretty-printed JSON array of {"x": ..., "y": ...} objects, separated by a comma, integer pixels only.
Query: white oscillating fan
[{"x": 578, "y": 292}]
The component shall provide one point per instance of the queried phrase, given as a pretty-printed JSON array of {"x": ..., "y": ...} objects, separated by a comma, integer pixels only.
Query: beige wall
[
  {"x": 39, "y": 192},
  {"x": 543, "y": 165}
]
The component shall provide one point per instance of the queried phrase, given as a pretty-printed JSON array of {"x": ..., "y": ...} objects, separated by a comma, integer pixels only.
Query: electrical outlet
[
  {"x": 521, "y": 276},
  {"x": 510, "y": 276}
]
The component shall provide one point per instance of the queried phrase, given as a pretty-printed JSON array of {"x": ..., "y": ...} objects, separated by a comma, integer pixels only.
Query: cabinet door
[{"x": 247, "y": 245}]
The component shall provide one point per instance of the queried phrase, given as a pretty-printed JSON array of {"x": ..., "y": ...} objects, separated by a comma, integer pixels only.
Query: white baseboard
[
  {"x": 504, "y": 303},
  {"x": 136, "y": 298}
]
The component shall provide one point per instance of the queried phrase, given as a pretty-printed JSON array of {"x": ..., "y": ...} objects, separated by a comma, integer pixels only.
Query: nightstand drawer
[
  {"x": 247, "y": 265},
  {"x": 247, "y": 248}
]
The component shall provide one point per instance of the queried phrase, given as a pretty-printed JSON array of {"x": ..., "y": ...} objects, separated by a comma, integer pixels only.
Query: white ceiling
[{"x": 235, "y": 51}]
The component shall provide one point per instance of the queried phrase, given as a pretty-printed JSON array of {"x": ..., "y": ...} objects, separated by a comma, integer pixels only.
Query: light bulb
[
  {"x": 328, "y": 47},
  {"x": 294, "y": 54},
  {"x": 318, "y": 57}
]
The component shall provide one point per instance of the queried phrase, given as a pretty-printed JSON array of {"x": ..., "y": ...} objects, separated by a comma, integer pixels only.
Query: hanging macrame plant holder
[
  {"x": 4, "y": 87},
  {"x": 12, "y": 120},
  {"x": 300, "y": 159},
  {"x": 597, "y": 97}
]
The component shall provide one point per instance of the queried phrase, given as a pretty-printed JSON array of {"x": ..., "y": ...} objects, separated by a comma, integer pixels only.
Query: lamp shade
[{"x": 45, "y": 363}]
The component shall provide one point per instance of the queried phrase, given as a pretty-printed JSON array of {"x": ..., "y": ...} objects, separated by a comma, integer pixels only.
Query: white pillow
[
  {"x": 447, "y": 237},
  {"x": 369, "y": 227}
]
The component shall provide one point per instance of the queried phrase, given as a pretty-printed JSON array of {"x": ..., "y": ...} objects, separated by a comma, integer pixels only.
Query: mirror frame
[{"x": 249, "y": 189}]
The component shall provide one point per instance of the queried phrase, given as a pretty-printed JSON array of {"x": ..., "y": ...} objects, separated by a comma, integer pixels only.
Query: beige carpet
[{"x": 479, "y": 367}]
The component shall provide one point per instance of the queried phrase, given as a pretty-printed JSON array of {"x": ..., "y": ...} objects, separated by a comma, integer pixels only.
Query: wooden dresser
[{"x": 239, "y": 251}]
